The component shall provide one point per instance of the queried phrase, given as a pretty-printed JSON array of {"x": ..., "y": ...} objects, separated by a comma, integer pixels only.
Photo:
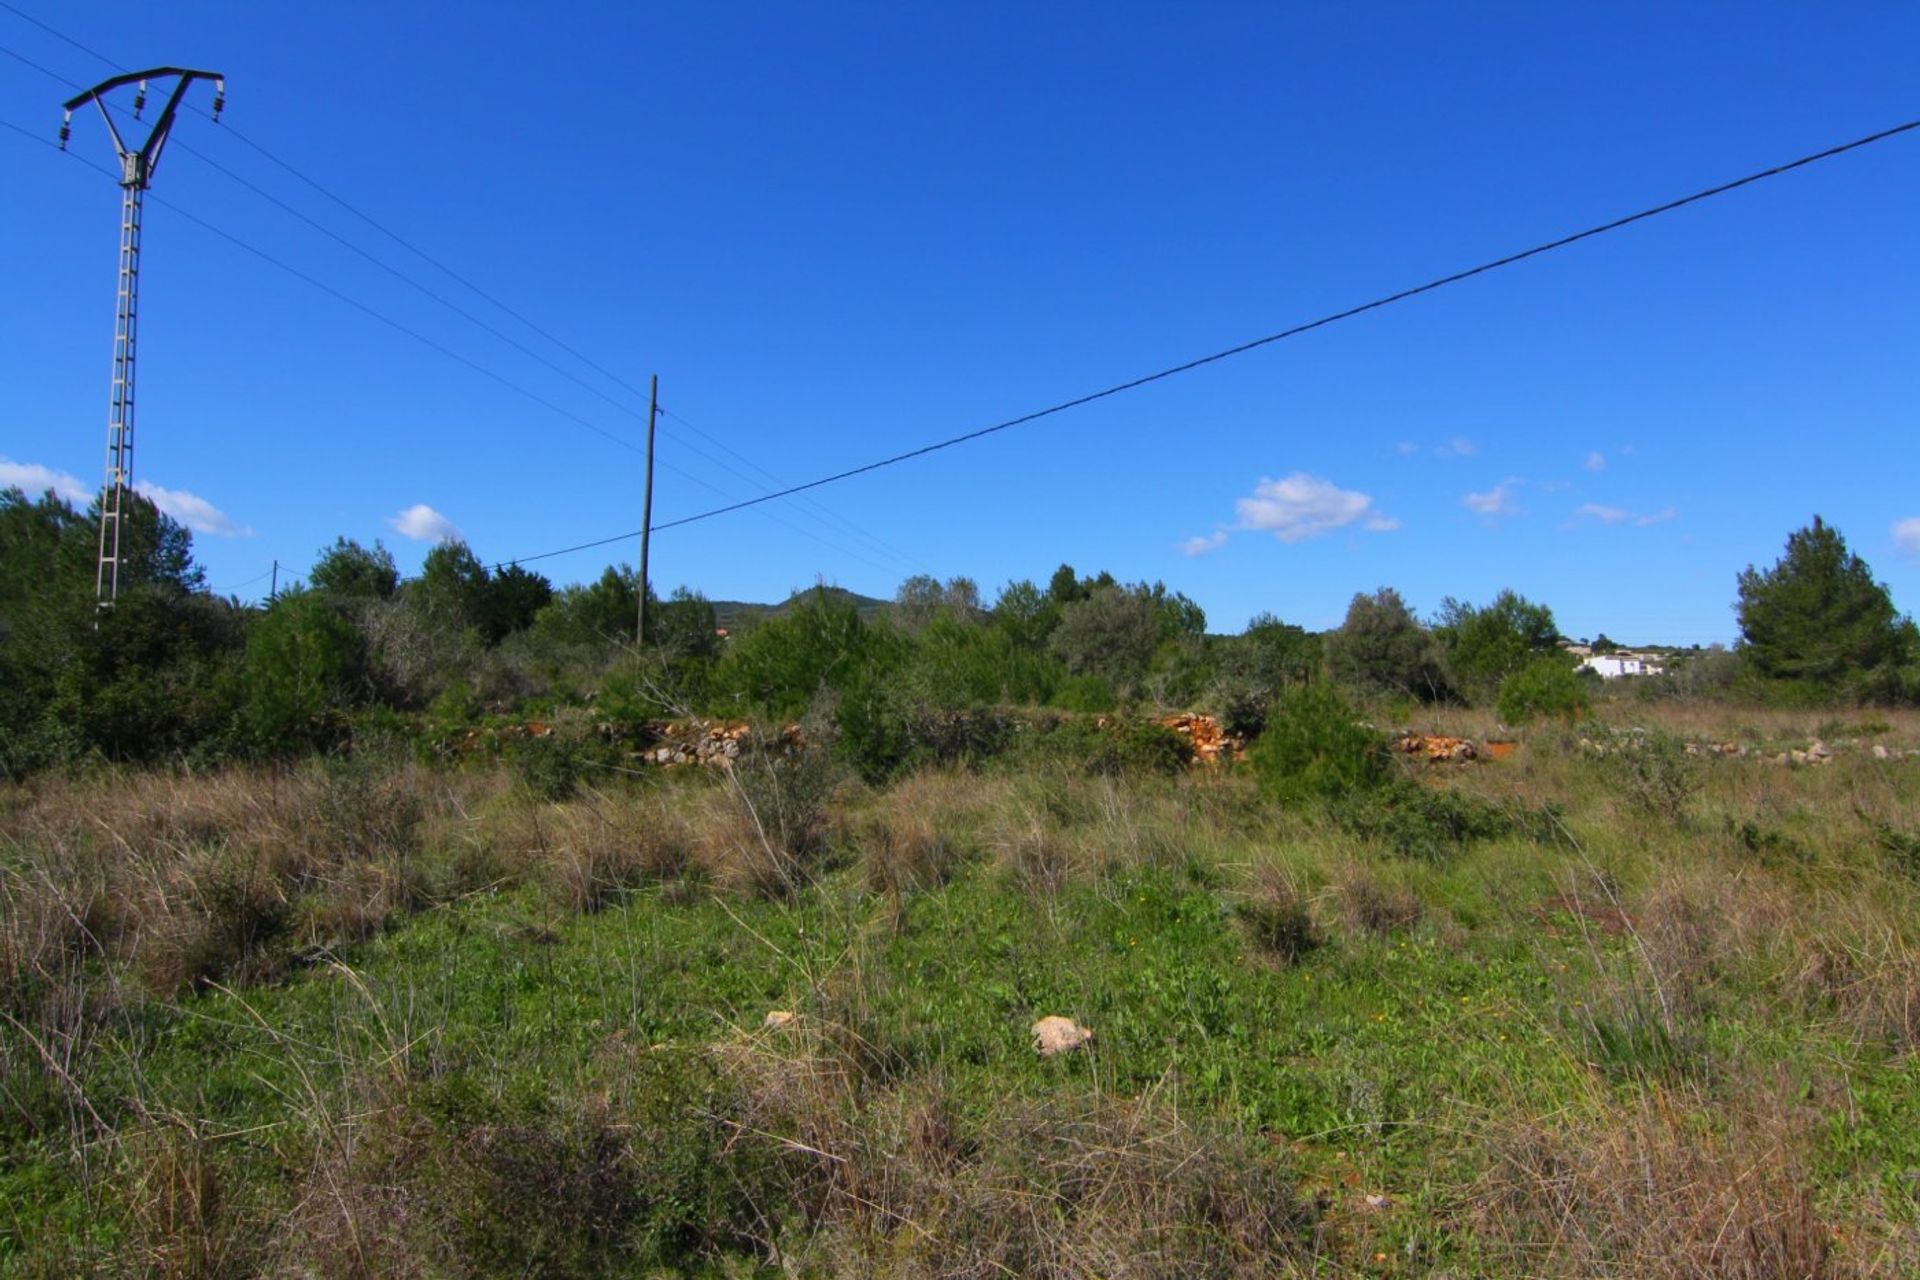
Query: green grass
[{"x": 593, "y": 1093}]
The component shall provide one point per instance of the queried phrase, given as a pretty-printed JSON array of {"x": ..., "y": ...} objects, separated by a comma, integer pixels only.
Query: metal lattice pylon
[{"x": 136, "y": 175}]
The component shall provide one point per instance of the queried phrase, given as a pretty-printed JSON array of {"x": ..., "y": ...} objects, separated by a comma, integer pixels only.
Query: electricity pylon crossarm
[{"x": 137, "y": 165}]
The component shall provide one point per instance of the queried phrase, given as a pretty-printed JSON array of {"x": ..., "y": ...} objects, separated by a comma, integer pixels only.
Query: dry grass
[
  {"x": 893, "y": 1182},
  {"x": 1749, "y": 893},
  {"x": 1672, "y": 1184},
  {"x": 1367, "y": 899}
]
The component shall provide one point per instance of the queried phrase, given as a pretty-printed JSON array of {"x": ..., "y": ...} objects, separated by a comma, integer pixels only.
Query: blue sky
[{"x": 839, "y": 231}]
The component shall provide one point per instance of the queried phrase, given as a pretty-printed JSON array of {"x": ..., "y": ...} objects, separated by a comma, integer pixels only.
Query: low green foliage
[
  {"x": 1545, "y": 688},
  {"x": 1314, "y": 748},
  {"x": 1411, "y": 820}
]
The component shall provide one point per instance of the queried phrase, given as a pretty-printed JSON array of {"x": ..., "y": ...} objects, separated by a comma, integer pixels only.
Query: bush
[
  {"x": 1111, "y": 747},
  {"x": 1093, "y": 695},
  {"x": 1315, "y": 749},
  {"x": 1381, "y": 648},
  {"x": 1426, "y": 823},
  {"x": 1656, "y": 775},
  {"x": 1546, "y": 687}
]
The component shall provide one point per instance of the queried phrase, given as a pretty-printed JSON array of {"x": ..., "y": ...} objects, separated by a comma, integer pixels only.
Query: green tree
[
  {"x": 1254, "y": 667},
  {"x": 1027, "y": 614},
  {"x": 1818, "y": 618},
  {"x": 1382, "y": 648},
  {"x": 510, "y": 601},
  {"x": 922, "y": 598},
  {"x": 600, "y": 613},
  {"x": 305, "y": 666},
  {"x": 452, "y": 586},
  {"x": 138, "y": 681},
  {"x": 1112, "y": 632},
  {"x": 1547, "y": 687},
  {"x": 821, "y": 643},
  {"x": 687, "y": 628},
  {"x": 349, "y": 571},
  {"x": 1486, "y": 645}
]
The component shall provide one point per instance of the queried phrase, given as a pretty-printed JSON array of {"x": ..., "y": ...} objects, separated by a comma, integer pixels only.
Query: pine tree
[{"x": 1819, "y": 617}]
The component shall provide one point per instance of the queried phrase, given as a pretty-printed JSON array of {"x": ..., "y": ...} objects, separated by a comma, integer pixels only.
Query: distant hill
[{"x": 732, "y": 614}]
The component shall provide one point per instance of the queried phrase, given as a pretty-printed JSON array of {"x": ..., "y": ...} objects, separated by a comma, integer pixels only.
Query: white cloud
[
  {"x": 192, "y": 510},
  {"x": 1620, "y": 515},
  {"x": 1497, "y": 501},
  {"x": 1458, "y": 447},
  {"x": 1596, "y": 461},
  {"x": 33, "y": 479},
  {"x": 1200, "y": 546},
  {"x": 1906, "y": 535},
  {"x": 189, "y": 509},
  {"x": 1303, "y": 506},
  {"x": 423, "y": 524},
  {"x": 1406, "y": 448}
]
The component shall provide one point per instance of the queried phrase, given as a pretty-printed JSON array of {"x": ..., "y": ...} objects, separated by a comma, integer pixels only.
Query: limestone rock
[{"x": 1054, "y": 1034}]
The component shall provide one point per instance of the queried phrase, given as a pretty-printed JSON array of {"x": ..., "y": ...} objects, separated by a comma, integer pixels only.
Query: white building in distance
[{"x": 1611, "y": 666}]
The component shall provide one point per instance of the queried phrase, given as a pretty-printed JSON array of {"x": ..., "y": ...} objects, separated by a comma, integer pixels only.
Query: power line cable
[
  {"x": 348, "y": 299},
  {"x": 1401, "y": 296},
  {"x": 351, "y": 247},
  {"x": 454, "y": 355},
  {"x": 377, "y": 226},
  {"x": 365, "y": 217},
  {"x": 619, "y": 405},
  {"x": 824, "y": 513},
  {"x": 227, "y": 591},
  {"x": 684, "y": 474},
  {"x": 1296, "y": 330}
]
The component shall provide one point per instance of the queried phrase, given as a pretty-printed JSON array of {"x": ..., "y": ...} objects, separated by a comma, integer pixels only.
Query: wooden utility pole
[
  {"x": 273, "y": 589},
  {"x": 646, "y": 512}
]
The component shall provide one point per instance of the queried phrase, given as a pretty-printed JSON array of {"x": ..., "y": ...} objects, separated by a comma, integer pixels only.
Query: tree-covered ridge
[{"x": 172, "y": 671}]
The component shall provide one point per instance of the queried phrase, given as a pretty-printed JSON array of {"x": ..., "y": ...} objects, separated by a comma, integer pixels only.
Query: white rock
[{"x": 1055, "y": 1034}]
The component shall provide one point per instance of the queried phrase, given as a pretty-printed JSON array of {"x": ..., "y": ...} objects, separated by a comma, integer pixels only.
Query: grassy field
[{"x": 1605, "y": 1007}]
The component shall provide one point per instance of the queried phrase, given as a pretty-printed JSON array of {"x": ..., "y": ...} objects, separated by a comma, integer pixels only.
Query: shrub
[
  {"x": 1656, "y": 775},
  {"x": 1112, "y": 747},
  {"x": 1314, "y": 749},
  {"x": 549, "y": 768},
  {"x": 1487, "y": 646},
  {"x": 1546, "y": 687},
  {"x": 1427, "y": 823},
  {"x": 1092, "y": 695}
]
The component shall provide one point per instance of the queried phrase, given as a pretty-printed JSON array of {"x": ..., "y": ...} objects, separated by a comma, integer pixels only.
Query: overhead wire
[
  {"x": 1402, "y": 295},
  {"x": 353, "y": 209},
  {"x": 1021, "y": 420},
  {"x": 669, "y": 467},
  {"x": 820, "y": 513},
  {"x": 1291, "y": 332},
  {"x": 825, "y": 514}
]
